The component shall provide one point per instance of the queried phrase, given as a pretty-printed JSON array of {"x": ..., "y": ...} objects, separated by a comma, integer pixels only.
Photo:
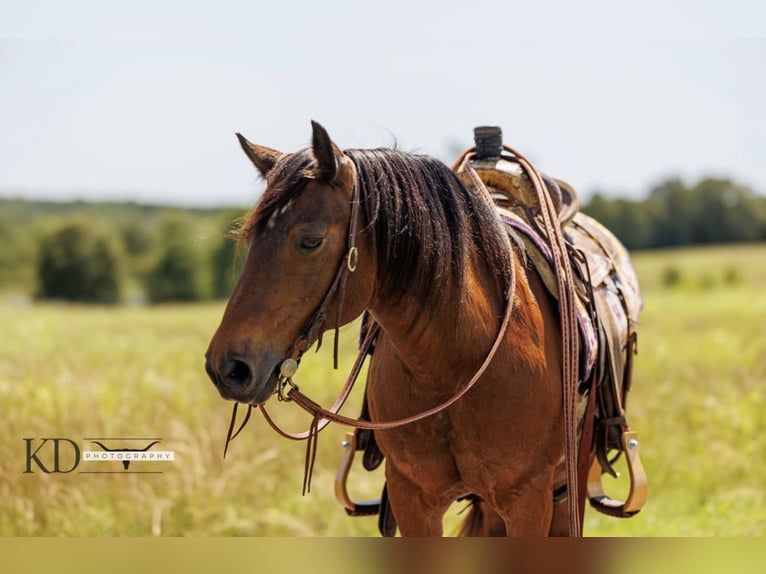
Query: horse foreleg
[
  {"x": 482, "y": 520},
  {"x": 417, "y": 512},
  {"x": 528, "y": 509}
]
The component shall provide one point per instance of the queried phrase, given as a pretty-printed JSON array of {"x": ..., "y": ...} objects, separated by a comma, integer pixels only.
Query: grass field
[{"x": 698, "y": 403}]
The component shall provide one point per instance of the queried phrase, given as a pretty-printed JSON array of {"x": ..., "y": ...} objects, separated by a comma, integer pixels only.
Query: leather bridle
[
  {"x": 312, "y": 332},
  {"x": 347, "y": 265}
]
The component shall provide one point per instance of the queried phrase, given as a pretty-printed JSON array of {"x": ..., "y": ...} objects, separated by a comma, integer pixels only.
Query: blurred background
[{"x": 120, "y": 179}]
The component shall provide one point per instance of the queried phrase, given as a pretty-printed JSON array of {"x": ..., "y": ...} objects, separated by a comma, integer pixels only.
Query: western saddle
[{"x": 608, "y": 304}]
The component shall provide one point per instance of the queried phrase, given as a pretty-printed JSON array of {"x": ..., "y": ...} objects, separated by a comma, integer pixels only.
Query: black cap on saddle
[{"x": 489, "y": 141}]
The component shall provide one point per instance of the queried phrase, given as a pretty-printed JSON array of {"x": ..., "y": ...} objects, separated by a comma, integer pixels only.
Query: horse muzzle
[{"x": 245, "y": 378}]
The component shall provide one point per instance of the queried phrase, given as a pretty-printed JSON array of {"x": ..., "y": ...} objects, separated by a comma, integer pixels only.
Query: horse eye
[{"x": 311, "y": 243}]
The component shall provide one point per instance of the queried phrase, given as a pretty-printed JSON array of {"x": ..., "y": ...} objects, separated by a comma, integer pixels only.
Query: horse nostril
[
  {"x": 236, "y": 373},
  {"x": 211, "y": 372}
]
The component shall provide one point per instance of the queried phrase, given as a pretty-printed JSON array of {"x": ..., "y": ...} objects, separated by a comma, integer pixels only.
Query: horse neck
[{"x": 450, "y": 339}]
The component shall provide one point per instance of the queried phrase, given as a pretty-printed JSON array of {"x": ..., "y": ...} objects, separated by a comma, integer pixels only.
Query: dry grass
[{"x": 698, "y": 403}]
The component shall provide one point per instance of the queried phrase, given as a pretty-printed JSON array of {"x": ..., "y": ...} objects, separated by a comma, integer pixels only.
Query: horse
[{"x": 401, "y": 237}]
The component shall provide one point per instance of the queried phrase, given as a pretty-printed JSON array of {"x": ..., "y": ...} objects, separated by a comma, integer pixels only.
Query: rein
[
  {"x": 567, "y": 312},
  {"x": 321, "y": 417}
]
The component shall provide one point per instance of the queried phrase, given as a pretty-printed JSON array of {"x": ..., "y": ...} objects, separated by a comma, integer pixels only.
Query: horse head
[{"x": 303, "y": 250}]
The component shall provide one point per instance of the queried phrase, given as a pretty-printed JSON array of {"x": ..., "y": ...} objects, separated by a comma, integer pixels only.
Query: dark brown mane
[{"x": 425, "y": 223}]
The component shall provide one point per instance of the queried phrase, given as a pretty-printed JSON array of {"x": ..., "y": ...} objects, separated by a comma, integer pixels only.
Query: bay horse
[{"x": 433, "y": 265}]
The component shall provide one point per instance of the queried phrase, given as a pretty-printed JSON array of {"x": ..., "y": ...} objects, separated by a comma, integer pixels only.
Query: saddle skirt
[{"x": 605, "y": 279}]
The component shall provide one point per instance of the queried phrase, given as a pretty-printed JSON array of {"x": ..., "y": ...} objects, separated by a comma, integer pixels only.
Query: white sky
[{"x": 140, "y": 100}]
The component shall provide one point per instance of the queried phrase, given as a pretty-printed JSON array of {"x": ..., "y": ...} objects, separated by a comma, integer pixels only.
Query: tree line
[
  {"x": 116, "y": 252},
  {"x": 710, "y": 211}
]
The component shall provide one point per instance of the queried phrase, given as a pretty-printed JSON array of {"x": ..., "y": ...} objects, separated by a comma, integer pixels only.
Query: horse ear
[
  {"x": 329, "y": 157},
  {"x": 262, "y": 157}
]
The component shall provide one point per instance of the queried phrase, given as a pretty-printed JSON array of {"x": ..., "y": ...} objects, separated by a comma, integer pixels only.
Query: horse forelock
[{"x": 283, "y": 183}]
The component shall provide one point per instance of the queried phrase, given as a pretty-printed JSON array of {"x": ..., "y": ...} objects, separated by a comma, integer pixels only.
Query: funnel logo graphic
[{"x": 126, "y": 460}]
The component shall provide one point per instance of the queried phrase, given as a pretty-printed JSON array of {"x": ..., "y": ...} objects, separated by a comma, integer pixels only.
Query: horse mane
[{"x": 425, "y": 221}]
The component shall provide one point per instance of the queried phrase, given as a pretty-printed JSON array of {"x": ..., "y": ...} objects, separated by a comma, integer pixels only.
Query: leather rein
[{"x": 288, "y": 391}]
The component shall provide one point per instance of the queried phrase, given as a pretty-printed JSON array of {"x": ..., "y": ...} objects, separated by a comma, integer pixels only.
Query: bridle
[{"x": 312, "y": 332}]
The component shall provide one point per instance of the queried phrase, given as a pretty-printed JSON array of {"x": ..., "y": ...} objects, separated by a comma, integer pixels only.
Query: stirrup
[
  {"x": 366, "y": 508},
  {"x": 638, "y": 483}
]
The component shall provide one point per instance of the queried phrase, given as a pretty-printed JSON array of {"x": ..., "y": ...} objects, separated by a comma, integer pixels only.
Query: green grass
[
  {"x": 698, "y": 403},
  {"x": 699, "y": 399}
]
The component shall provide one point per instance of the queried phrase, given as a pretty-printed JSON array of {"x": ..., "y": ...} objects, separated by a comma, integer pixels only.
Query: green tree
[
  {"x": 176, "y": 276},
  {"x": 17, "y": 257},
  {"x": 675, "y": 208},
  {"x": 634, "y": 223},
  {"x": 180, "y": 271},
  {"x": 136, "y": 238},
  {"x": 631, "y": 221},
  {"x": 725, "y": 212},
  {"x": 78, "y": 262}
]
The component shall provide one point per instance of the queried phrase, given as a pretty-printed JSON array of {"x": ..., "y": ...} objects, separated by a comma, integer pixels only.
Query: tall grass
[{"x": 698, "y": 403}]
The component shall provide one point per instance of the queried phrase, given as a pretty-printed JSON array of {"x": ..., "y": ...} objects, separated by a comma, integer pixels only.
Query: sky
[{"x": 141, "y": 100}]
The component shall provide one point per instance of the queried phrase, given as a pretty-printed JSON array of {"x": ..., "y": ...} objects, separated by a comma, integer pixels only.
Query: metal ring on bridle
[{"x": 352, "y": 259}]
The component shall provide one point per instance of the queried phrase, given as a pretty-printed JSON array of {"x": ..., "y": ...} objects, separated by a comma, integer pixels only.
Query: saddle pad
[{"x": 539, "y": 254}]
